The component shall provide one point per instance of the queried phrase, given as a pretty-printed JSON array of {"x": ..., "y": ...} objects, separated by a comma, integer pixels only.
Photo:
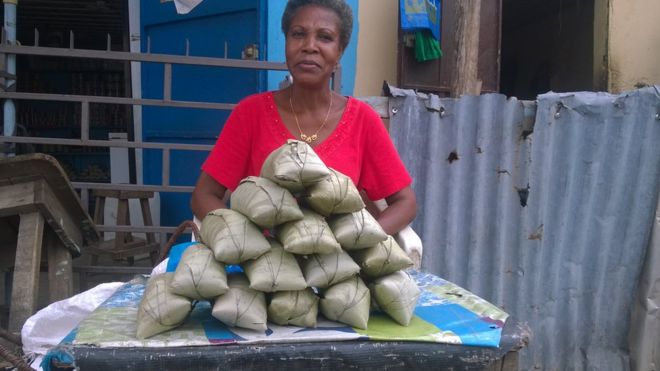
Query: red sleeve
[
  {"x": 228, "y": 161},
  {"x": 383, "y": 172}
]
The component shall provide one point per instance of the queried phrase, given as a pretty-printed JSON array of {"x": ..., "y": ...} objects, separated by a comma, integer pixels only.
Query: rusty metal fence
[{"x": 546, "y": 209}]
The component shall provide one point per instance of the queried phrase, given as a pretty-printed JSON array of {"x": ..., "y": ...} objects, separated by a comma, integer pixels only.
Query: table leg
[
  {"x": 121, "y": 238},
  {"x": 26, "y": 270},
  {"x": 509, "y": 362},
  {"x": 151, "y": 237},
  {"x": 99, "y": 216},
  {"x": 60, "y": 275}
]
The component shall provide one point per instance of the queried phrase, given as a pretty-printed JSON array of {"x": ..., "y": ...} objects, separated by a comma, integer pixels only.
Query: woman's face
[{"x": 312, "y": 45}]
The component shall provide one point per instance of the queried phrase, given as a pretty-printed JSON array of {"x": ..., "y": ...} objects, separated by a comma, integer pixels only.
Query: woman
[{"x": 346, "y": 133}]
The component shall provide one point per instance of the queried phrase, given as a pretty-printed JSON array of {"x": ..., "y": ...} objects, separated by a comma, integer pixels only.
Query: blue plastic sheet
[
  {"x": 445, "y": 313},
  {"x": 177, "y": 251}
]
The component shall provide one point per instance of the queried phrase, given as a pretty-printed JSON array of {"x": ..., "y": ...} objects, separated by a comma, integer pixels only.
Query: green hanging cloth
[{"x": 427, "y": 47}]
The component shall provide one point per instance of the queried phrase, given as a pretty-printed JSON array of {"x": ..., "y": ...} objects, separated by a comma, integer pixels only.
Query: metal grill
[{"x": 84, "y": 102}]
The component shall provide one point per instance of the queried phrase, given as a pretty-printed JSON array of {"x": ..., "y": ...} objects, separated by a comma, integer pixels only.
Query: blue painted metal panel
[
  {"x": 211, "y": 29},
  {"x": 275, "y": 41},
  {"x": 547, "y": 216}
]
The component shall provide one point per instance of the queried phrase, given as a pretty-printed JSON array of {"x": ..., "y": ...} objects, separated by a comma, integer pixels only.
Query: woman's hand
[
  {"x": 207, "y": 196},
  {"x": 401, "y": 210}
]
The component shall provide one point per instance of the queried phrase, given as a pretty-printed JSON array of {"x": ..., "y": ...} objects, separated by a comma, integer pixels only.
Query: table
[
  {"x": 330, "y": 355},
  {"x": 452, "y": 329},
  {"x": 39, "y": 206}
]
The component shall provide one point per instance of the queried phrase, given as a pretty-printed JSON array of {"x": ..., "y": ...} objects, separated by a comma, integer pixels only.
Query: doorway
[{"x": 547, "y": 46}]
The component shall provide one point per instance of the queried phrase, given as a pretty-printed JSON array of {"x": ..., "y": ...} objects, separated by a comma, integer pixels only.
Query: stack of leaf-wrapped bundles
[{"x": 304, "y": 238}]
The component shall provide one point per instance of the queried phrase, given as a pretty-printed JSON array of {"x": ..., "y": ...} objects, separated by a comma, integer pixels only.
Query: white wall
[
  {"x": 377, "y": 46},
  {"x": 634, "y": 44}
]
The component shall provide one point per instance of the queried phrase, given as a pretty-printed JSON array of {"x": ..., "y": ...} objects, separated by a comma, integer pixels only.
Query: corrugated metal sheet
[
  {"x": 644, "y": 339},
  {"x": 548, "y": 218}
]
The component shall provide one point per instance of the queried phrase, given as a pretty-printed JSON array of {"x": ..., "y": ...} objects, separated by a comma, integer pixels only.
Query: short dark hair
[{"x": 343, "y": 11}]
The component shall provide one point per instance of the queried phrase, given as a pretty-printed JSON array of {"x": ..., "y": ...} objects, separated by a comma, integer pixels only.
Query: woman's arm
[
  {"x": 207, "y": 196},
  {"x": 401, "y": 210}
]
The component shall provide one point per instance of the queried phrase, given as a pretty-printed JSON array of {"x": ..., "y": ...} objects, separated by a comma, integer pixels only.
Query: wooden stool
[
  {"x": 124, "y": 246},
  {"x": 40, "y": 216}
]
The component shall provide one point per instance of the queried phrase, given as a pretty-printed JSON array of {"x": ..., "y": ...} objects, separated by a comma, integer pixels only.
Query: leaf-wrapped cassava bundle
[
  {"x": 336, "y": 194},
  {"x": 384, "y": 258},
  {"x": 264, "y": 202},
  {"x": 199, "y": 276},
  {"x": 298, "y": 308},
  {"x": 160, "y": 310},
  {"x": 324, "y": 270},
  {"x": 294, "y": 166},
  {"x": 241, "y": 306},
  {"x": 347, "y": 302},
  {"x": 232, "y": 237},
  {"x": 357, "y": 230},
  {"x": 309, "y": 235},
  {"x": 396, "y": 295},
  {"x": 276, "y": 270}
]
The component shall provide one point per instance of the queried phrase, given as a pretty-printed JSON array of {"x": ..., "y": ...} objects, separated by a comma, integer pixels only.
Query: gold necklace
[{"x": 315, "y": 136}]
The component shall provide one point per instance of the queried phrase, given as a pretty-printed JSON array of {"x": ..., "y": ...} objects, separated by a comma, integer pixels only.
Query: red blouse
[{"x": 359, "y": 147}]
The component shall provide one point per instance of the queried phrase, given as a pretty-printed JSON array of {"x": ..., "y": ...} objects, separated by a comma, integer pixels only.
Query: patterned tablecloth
[{"x": 445, "y": 313}]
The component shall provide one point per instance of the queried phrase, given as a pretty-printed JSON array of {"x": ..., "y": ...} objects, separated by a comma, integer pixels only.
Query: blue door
[{"x": 212, "y": 29}]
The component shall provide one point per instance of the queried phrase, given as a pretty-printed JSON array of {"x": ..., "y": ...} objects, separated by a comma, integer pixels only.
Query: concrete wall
[
  {"x": 600, "y": 35},
  {"x": 634, "y": 44},
  {"x": 377, "y": 46}
]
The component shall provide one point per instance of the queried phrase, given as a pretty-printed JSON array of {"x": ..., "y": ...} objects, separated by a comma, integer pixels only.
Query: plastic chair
[{"x": 407, "y": 238}]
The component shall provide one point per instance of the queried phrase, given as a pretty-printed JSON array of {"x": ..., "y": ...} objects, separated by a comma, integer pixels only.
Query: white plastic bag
[{"x": 46, "y": 328}]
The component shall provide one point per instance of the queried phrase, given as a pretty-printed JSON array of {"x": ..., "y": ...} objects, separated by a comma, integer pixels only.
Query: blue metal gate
[{"x": 220, "y": 29}]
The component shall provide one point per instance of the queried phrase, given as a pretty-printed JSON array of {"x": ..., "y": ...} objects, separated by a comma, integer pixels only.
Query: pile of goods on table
[{"x": 302, "y": 235}]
